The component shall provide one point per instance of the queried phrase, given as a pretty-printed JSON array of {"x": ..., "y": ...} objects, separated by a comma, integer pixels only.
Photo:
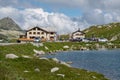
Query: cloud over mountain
[
  {"x": 31, "y": 17},
  {"x": 31, "y": 13}
]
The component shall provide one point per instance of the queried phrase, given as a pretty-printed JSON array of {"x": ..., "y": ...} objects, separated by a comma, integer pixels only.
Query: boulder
[
  {"x": 37, "y": 70},
  {"x": 66, "y": 47},
  {"x": 62, "y": 75},
  {"x": 46, "y": 48},
  {"x": 44, "y": 58},
  {"x": 93, "y": 77},
  {"x": 25, "y": 56},
  {"x": 61, "y": 62},
  {"x": 56, "y": 60},
  {"x": 64, "y": 63},
  {"x": 26, "y": 71},
  {"x": 54, "y": 69},
  {"x": 38, "y": 53},
  {"x": 11, "y": 56},
  {"x": 35, "y": 44},
  {"x": 41, "y": 44}
]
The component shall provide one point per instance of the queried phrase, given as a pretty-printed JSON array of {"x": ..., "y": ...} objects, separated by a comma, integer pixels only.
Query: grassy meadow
[{"x": 24, "y": 68}]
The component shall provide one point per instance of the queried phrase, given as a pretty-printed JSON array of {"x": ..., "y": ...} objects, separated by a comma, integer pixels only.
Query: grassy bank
[{"x": 24, "y": 68}]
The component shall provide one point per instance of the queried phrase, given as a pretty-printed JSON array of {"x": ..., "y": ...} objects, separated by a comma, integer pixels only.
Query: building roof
[
  {"x": 78, "y": 31},
  {"x": 38, "y": 28},
  {"x": 41, "y": 29}
]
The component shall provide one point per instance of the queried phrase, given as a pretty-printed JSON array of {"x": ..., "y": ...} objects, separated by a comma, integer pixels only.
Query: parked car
[
  {"x": 76, "y": 40},
  {"x": 102, "y": 40},
  {"x": 85, "y": 40},
  {"x": 37, "y": 39}
]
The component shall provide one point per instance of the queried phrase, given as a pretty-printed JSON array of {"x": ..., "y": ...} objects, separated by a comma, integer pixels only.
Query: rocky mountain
[
  {"x": 8, "y": 24},
  {"x": 9, "y": 29},
  {"x": 110, "y": 31}
]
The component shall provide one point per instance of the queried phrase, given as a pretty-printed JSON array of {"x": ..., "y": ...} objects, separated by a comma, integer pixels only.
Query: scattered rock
[
  {"x": 26, "y": 71},
  {"x": 56, "y": 60},
  {"x": 66, "y": 47},
  {"x": 110, "y": 44},
  {"x": 11, "y": 56},
  {"x": 41, "y": 44},
  {"x": 54, "y": 69},
  {"x": 93, "y": 77},
  {"x": 62, "y": 75},
  {"x": 37, "y": 70},
  {"x": 46, "y": 48},
  {"x": 88, "y": 71},
  {"x": 44, "y": 58},
  {"x": 24, "y": 56},
  {"x": 61, "y": 62},
  {"x": 64, "y": 63},
  {"x": 38, "y": 53},
  {"x": 35, "y": 44}
]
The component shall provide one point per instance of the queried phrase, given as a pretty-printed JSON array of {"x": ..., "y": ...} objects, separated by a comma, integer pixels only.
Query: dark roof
[
  {"x": 38, "y": 28},
  {"x": 78, "y": 31},
  {"x": 41, "y": 29},
  {"x": 52, "y": 32}
]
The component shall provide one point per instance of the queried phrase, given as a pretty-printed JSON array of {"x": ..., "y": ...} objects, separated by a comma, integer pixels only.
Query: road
[{"x": 3, "y": 44}]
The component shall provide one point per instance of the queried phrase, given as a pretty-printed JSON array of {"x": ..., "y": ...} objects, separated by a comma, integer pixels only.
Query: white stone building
[
  {"x": 78, "y": 35},
  {"x": 37, "y": 32}
]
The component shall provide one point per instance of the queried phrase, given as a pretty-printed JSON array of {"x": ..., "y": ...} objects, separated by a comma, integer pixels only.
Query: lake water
[{"x": 106, "y": 62}]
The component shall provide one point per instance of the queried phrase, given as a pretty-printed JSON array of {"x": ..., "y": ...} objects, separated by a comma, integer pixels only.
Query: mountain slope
[
  {"x": 110, "y": 31},
  {"x": 9, "y": 29},
  {"x": 8, "y": 24}
]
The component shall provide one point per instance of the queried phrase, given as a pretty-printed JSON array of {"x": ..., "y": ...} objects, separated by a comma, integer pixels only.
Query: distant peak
[
  {"x": 8, "y": 23},
  {"x": 8, "y": 18}
]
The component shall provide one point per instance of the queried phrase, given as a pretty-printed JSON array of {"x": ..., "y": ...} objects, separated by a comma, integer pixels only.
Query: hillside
[
  {"x": 25, "y": 68},
  {"x": 110, "y": 31},
  {"x": 9, "y": 29}
]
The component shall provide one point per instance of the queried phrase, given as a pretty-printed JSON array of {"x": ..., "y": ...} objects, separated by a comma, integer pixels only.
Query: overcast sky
[{"x": 63, "y": 16}]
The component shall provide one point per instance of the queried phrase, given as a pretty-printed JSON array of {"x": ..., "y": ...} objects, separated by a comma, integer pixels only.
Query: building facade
[
  {"x": 78, "y": 35},
  {"x": 38, "y": 32}
]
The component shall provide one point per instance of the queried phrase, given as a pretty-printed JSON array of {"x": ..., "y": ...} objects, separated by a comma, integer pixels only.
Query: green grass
[
  {"x": 13, "y": 69},
  {"x": 106, "y": 31}
]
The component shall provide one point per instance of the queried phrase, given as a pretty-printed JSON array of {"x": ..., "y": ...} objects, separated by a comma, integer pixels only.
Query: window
[
  {"x": 52, "y": 33},
  {"x": 42, "y": 37},
  {"x": 32, "y": 37},
  {"x": 77, "y": 34},
  {"x": 38, "y": 32},
  {"x": 30, "y": 32},
  {"x": 34, "y": 32},
  {"x": 42, "y": 33}
]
